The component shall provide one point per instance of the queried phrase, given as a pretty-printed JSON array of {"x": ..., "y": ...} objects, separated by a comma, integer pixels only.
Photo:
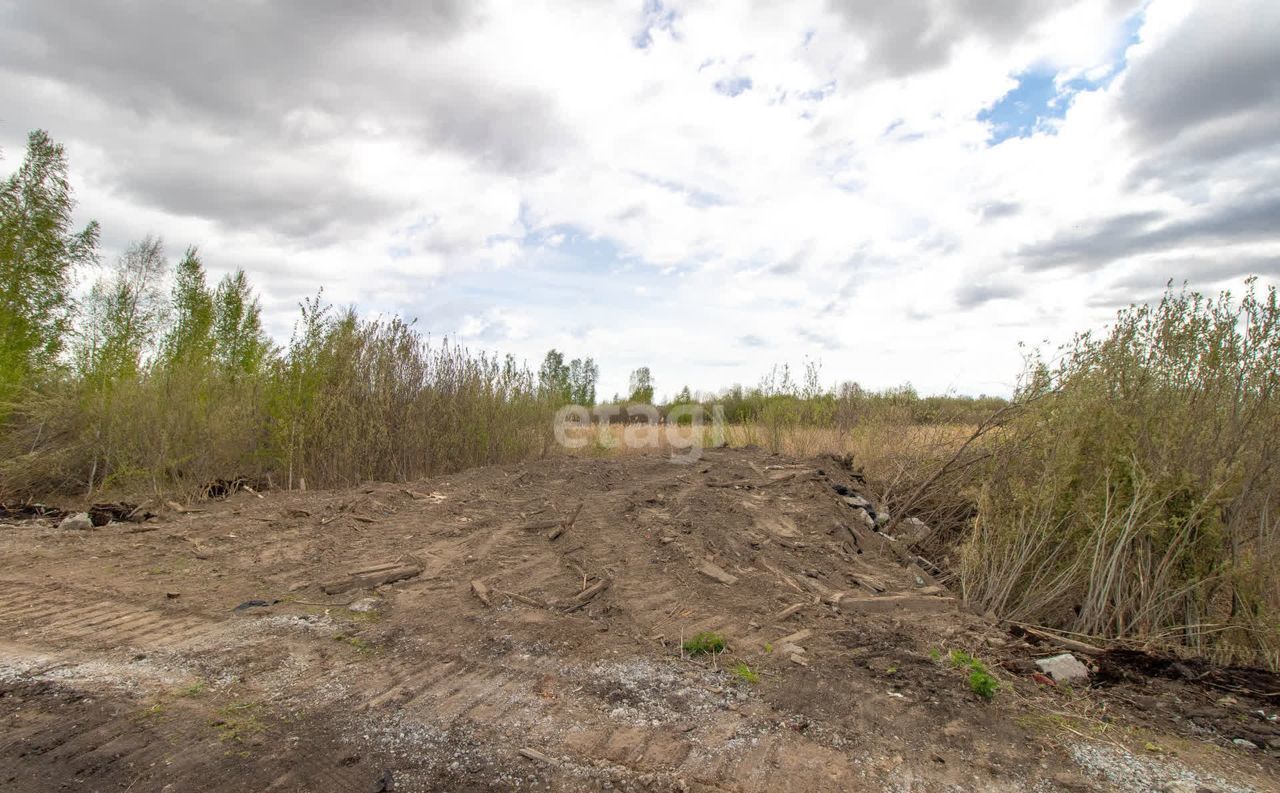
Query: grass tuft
[
  {"x": 744, "y": 672},
  {"x": 705, "y": 643},
  {"x": 981, "y": 682}
]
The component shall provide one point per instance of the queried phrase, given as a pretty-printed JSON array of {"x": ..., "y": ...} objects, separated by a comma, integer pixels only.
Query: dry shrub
[
  {"x": 1134, "y": 497},
  {"x": 359, "y": 401}
]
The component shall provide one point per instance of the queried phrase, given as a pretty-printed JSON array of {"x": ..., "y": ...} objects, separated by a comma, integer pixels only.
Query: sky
[{"x": 899, "y": 192}]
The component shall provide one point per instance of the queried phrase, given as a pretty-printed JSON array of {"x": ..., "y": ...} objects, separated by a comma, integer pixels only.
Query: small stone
[
  {"x": 1244, "y": 743},
  {"x": 80, "y": 521},
  {"x": 1063, "y": 668},
  {"x": 365, "y": 605},
  {"x": 1066, "y": 781}
]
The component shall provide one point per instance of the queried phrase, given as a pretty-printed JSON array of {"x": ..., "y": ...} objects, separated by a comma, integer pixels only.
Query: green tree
[
  {"x": 239, "y": 343},
  {"x": 38, "y": 254},
  {"x": 553, "y": 378},
  {"x": 642, "y": 385},
  {"x": 190, "y": 337},
  {"x": 124, "y": 314},
  {"x": 583, "y": 375}
]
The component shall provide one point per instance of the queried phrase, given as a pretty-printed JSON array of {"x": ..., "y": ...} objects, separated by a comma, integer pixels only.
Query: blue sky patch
[
  {"x": 656, "y": 17},
  {"x": 1019, "y": 112},
  {"x": 732, "y": 86},
  {"x": 1039, "y": 97}
]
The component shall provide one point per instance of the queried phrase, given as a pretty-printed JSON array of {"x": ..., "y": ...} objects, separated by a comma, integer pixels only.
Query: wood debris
[
  {"x": 788, "y": 611},
  {"x": 481, "y": 591},
  {"x": 371, "y": 579},
  {"x": 525, "y": 599},
  {"x": 587, "y": 595},
  {"x": 795, "y": 638},
  {"x": 536, "y": 756},
  {"x": 539, "y": 525},
  {"x": 713, "y": 571}
]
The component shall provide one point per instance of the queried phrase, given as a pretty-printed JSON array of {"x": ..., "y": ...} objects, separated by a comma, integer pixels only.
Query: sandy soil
[{"x": 125, "y": 664}]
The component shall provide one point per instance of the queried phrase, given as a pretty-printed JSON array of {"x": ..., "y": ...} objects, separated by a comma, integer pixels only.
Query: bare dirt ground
[{"x": 506, "y": 660}]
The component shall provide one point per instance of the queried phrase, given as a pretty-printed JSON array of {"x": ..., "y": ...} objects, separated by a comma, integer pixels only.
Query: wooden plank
[
  {"x": 715, "y": 572},
  {"x": 481, "y": 591}
]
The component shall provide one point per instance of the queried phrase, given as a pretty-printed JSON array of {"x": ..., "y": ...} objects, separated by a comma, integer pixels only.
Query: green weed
[
  {"x": 744, "y": 672},
  {"x": 981, "y": 682},
  {"x": 705, "y": 643},
  {"x": 238, "y": 722},
  {"x": 361, "y": 645}
]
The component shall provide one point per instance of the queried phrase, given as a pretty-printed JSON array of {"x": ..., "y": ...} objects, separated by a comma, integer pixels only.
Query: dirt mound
[{"x": 538, "y": 627}]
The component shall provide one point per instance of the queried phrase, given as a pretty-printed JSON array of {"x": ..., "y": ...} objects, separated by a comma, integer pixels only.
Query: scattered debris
[
  {"x": 580, "y": 653},
  {"x": 102, "y": 514},
  {"x": 28, "y": 511}
]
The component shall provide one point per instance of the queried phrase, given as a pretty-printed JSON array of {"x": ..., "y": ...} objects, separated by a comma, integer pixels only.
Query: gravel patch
[{"x": 1144, "y": 774}]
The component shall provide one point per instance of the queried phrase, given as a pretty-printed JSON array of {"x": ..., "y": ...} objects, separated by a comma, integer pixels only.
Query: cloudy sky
[{"x": 902, "y": 191}]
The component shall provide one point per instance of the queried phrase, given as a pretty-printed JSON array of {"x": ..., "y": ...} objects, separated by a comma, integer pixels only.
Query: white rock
[
  {"x": 1063, "y": 668},
  {"x": 365, "y": 605},
  {"x": 78, "y": 522}
]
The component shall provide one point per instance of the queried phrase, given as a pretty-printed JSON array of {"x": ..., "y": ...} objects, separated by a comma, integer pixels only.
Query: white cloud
[{"x": 526, "y": 176}]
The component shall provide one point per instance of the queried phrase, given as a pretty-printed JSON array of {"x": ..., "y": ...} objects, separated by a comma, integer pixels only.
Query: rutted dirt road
[{"x": 503, "y": 659}]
